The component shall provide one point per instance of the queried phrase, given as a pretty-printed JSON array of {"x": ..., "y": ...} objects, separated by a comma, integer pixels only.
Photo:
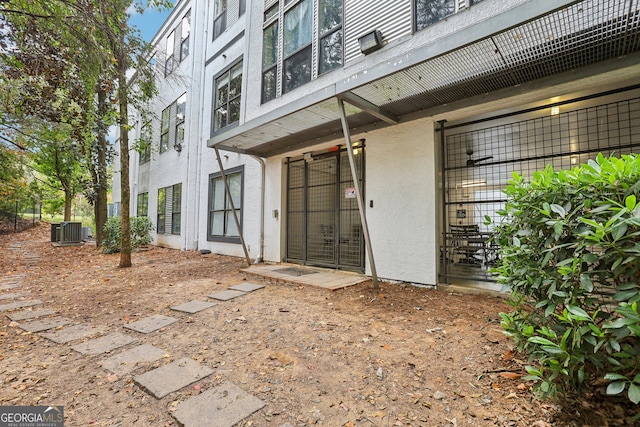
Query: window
[
  {"x": 222, "y": 226},
  {"x": 144, "y": 145},
  {"x": 164, "y": 130},
  {"x": 330, "y": 37},
  {"x": 169, "y": 64},
  {"x": 177, "y": 47},
  {"x": 289, "y": 64},
  {"x": 142, "y": 207},
  {"x": 181, "y": 105},
  {"x": 162, "y": 205},
  {"x": 172, "y": 125},
  {"x": 298, "y": 22},
  {"x": 220, "y": 21},
  {"x": 227, "y": 97},
  {"x": 170, "y": 208},
  {"x": 428, "y": 12},
  {"x": 184, "y": 39},
  {"x": 176, "y": 208}
]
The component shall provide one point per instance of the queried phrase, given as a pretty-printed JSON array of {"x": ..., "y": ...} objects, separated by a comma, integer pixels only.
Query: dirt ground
[{"x": 398, "y": 356}]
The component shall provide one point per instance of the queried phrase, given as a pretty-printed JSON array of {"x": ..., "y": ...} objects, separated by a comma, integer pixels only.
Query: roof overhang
[{"x": 563, "y": 40}]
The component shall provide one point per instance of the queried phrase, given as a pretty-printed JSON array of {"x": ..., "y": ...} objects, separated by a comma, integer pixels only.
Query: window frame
[
  {"x": 185, "y": 36},
  {"x": 146, "y": 137},
  {"x": 142, "y": 205},
  {"x": 176, "y": 208},
  {"x": 165, "y": 126},
  {"x": 326, "y": 35},
  {"x": 181, "y": 112},
  {"x": 220, "y": 19},
  {"x": 162, "y": 210},
  {"x": 228, "y": 74},
  {"x": 416, "y": 27},
  {"x": 226, "y": 210},
  {"x": 169, "y": 63}
]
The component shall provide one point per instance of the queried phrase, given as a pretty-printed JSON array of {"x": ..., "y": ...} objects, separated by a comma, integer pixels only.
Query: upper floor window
[
  {"x": 220, "y": 20},
  {"x": 292, "y": 21},
  {"x": 184, "y": 39},
  {"x": 172, "y": 125},
  {"x": 144, "y": 145},
  {"x": 428, "y": 12},
  {"x": 228, "y": 92},
  {"x": 177, "y": 44}
]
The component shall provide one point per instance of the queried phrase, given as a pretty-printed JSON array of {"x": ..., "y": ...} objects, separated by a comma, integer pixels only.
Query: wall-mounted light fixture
[
  {"x": 555, "y": 110},
  {"x": 472, "y": 183},
  {"x": 370, "y": 42}
]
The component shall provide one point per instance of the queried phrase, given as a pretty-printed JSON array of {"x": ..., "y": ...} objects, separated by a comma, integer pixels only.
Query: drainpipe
[
  {"x": 356, "y": 184},
  {"x": 260, "y": 256}
]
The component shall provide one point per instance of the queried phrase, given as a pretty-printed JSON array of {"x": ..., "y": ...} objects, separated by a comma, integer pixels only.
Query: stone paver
[
  {"x": 246, "y": 287},
  {"x": 128, "y": 360},
  {"x": 169, "y": 378},
  {"x": 151, "y": 323},
  {"x": 227, "y": 295},
  {"x": 222, "y": 406},
  {"x": 8, "y": 286},
  {"x": 29, "y": 314},
  {"x": 193, "y": 306},
  {"x": 103, "y": 344},
  {"x": 43, "y": 325},
  {"x": 11, "y": 296},
  {"x": 19, "y": 304},
  {"x": 71, "y": 333}
]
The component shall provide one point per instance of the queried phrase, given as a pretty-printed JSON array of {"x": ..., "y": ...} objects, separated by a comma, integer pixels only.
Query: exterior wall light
[{"x": 370, "y": 42}]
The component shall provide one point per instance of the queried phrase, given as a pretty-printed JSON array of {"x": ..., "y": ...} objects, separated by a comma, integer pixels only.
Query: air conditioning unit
[{"x": 66, "y": 233}]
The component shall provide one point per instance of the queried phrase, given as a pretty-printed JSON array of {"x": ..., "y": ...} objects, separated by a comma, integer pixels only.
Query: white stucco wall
[{"x": 401, "y": 182}]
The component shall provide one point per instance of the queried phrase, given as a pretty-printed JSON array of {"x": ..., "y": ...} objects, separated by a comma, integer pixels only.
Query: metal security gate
[
  {"x": 479, "y": 159},
  {"x": 323, "y": 223}
]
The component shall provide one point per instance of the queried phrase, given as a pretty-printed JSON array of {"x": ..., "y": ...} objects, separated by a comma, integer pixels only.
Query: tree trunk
[
  {"x": 125, "y": 243},
  {"x": 100, "y": 206},
  {"x": 67, "y": 204}
]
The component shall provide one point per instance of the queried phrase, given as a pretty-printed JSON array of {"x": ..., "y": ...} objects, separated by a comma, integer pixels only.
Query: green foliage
[
  {"x": 570, "y": 252},
  {"x": 140, "y": 233}
]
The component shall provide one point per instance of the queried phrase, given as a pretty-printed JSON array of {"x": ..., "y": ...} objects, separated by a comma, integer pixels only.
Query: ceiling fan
[{"x": 474, "y": 162}]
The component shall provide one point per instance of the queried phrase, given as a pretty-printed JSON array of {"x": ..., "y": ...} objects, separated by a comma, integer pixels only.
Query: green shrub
[
  {"x": 140, "y": 233},
  {"x": 570, "y": 253}
]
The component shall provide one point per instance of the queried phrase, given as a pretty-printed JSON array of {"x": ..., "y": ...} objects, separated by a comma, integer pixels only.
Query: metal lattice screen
[{"x": 479, "y": 164}]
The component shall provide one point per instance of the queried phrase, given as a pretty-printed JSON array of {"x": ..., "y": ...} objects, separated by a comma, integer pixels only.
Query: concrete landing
[
  {"x": 192, "y": 307},
  {"x": 29, "y": 314},
  {"x": 246, "y": 287},
  {"x": 45, "y": 324},
  {"x": 299, "y": 275},
  {"x": 103, "y": 344},
  {"x": 227, "y": 295},
  {"x": 172, "y": 377},
  {"x": 9, "y": 286},
  {"x": 19, "y": 304},
  {"x": 129, "y": 360},
  {"x": 151, "y": 323},
  {"x": 222, "y": 406},
  {"x": 71, "y": 333}
]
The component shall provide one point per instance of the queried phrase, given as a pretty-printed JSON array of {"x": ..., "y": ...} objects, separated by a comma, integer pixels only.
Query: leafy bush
[
  {"x": 570, "y": 252},
  {"x": 140, "y": 233}
]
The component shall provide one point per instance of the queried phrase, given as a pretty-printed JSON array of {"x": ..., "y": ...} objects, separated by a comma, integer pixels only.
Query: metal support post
[
  {"x": 233, "y": 208},
  {"x": 356, "y": 184}
]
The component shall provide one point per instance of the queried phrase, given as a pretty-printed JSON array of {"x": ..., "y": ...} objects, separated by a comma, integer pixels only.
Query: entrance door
[{"x": 323, "y": 222}]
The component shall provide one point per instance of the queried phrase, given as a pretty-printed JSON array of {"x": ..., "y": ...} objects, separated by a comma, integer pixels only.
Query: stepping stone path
[
  {"x": 103, "y": 344},
  {"x": 226, "y": 404},
  {"x": 151, "y": 323},
  {"x": 71, "y": 333},
  {"x": 30, "y": 314},
  {"x": 226, "y": 295},
  {"x": 129, "y": 360},
  {"x": 43, "y": 325},
  {"x": 19, "y": 304},
  {"x": 172, "y": 377},
  {"x": 192, "y": 307}
]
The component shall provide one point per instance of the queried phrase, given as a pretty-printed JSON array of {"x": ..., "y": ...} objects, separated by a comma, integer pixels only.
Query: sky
[{"x": 148, "y": 23}]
